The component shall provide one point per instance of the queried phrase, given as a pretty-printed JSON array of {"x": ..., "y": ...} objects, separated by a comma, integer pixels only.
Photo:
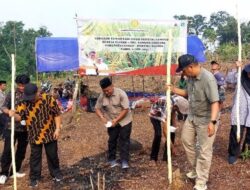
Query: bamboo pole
[
  {"x": 103, "y": 182},
  {"x": 239, "y": 75},
  {"x": 168, "y": 80},
  {"x": 75, "y": 96},
  {"x": 91, "y": 182},
  {"x": 13, "y": 66},
  {"x": 98, "y": 181}
]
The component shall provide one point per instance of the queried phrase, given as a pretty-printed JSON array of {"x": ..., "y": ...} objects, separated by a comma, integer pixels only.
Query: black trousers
[
  {"x": 123, "y": 134},
  {"x": 21, "y": 138},
  {"x": 2, "y": 123},
  {"x": 51, "y": 150},
  {"x": 157, "y": 140},
  {"x": 234, "y": 146}
]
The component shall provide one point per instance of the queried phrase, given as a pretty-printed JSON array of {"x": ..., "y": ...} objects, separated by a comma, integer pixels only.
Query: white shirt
[
  {"x": 102, "y": 67},
  {"x": 2, "y": 98},
  {"x": 90, "y": 63}
]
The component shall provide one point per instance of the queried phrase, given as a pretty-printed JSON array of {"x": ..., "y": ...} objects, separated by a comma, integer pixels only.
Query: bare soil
[{"x": 83, "y": 145}]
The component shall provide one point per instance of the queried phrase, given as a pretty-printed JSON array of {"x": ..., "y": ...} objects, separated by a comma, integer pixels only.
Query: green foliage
[
  {"x": 245, "y": 32},
  {"x": 218, "y": 19},
  {"x": 196, "y": 24},
  {"x": 14, "y": 39},
  {"x": 229, "y": 52},
  {"x": 228, "y": 33},
  {"x": 246, "y": 51},
  {"x": 221, "y": 27}
]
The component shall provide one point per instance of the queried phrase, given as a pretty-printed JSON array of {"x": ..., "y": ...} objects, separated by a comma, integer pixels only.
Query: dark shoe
[
  {"x": 232, "y": 159},
  {"x": 33, "y": 183},
  {"x": 58, "y": 178}
]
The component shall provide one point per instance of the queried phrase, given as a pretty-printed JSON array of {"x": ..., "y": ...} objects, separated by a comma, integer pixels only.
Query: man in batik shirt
[{"x": 42, "y": 116}]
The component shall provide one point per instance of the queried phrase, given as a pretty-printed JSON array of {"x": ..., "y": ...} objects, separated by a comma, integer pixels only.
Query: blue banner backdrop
[{"x": 56, "y": 54}]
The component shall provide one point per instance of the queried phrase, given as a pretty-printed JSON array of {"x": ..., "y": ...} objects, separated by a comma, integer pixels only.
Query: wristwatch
[{"x": 213, "y": 122}]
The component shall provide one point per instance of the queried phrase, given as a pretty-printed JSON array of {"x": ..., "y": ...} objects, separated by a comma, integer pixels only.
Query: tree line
[
  {"x": 15, "y": 39},
  {"x": 218, "y": 33}
]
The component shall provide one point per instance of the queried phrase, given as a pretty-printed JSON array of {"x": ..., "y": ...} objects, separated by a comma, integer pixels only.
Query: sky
[{"x": 58, "y": 15}]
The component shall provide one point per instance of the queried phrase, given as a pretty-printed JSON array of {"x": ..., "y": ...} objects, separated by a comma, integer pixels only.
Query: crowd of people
[
  {"x": 198, "y": 99},
  {"x": 63, "y": 92}
]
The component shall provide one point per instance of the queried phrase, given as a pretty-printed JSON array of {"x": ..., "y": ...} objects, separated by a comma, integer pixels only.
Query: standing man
[
  {"x": 244, "y": 114},
  {"x": 20, "y": 134},
  {"x": 2, "y": 98},
  {"x": 221, "y": 83},
  {"x": 113, "y": 108},
  {"x": 42, "y": 116},
  {"x": 201, "y": 123}
]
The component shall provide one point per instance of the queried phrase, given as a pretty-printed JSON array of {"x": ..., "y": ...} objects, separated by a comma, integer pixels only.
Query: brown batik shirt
[{"x": 40, "y": 118}]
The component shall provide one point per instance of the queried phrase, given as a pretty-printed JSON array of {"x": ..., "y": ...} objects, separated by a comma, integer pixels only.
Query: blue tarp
[
  {"x": 196, "y": 48},
  {"x": 61, "y": 54},
  {"x": 56, "y": 54}
]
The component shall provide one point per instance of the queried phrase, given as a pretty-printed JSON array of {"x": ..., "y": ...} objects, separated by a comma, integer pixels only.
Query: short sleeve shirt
[
  {"x": 112, "y": 106},
  {"x": 40, "y": 118},
  {"x": 202, "y": 92}
]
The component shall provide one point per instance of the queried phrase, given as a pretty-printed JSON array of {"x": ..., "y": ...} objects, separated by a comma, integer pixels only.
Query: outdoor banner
[
  {"x": 56, "y": 54},
  {"x": 114, "y": 46},
  {"x": 196, "y": 48}
]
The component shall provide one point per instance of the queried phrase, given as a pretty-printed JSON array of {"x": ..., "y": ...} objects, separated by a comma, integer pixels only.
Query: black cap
[
  {"x": 247, "y": 68},
  {"x": 22, "y": 79},
  {"x": 214, "y": 63},
  {"x": 184, "y": 61},
  {"x": 2, "y": 82},
  {"x": 30, "y": 91},
  {"x": 105, "y": 82}
]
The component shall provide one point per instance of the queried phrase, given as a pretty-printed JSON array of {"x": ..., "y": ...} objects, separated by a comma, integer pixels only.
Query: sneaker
[
  {"x": 232, "y": 159},
  {"x": 125, "y": 164},
  {"x": 58, "y": 178},
  {"x": 113, "y": 163},
  {"x": 18, "y": 175},
  {"x": 191, "y": 175},
  {"x": 3, "y": 179},
  {"x": 33, "y": 183},
  {"x": 200, "y": 187}
]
